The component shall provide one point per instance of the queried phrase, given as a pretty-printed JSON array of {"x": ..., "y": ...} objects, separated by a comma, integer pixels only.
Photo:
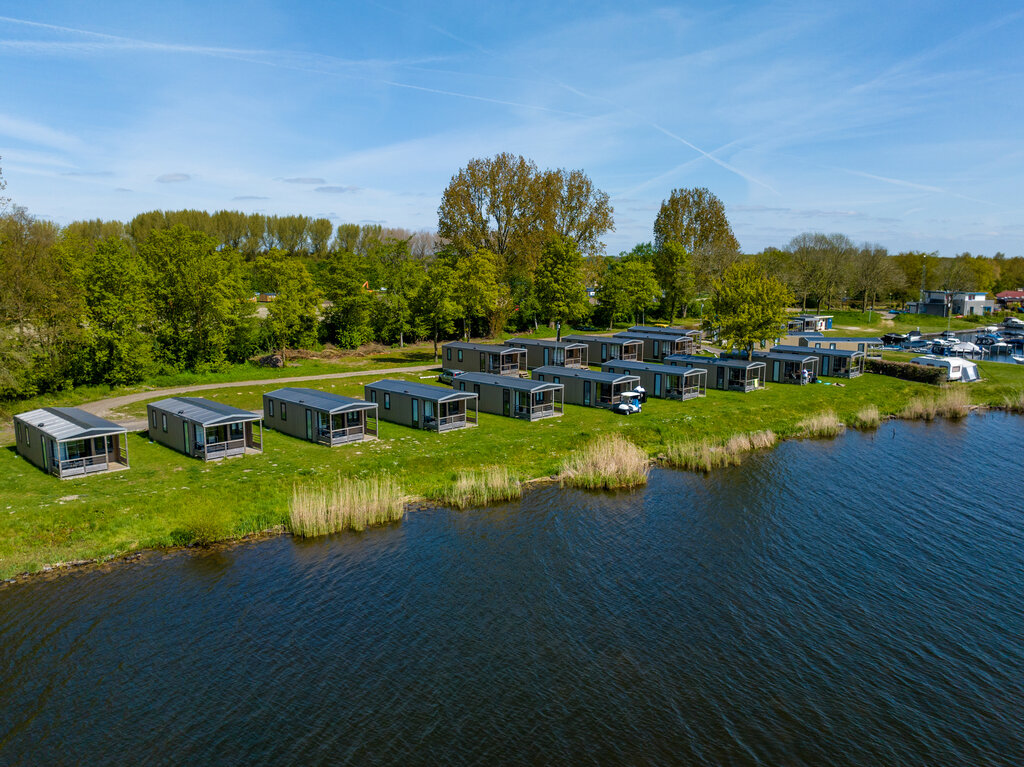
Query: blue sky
[{"x": 897, "y": 123}]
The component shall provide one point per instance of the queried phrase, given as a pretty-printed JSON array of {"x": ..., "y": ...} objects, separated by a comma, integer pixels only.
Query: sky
[{"x": 897, "y": 123}]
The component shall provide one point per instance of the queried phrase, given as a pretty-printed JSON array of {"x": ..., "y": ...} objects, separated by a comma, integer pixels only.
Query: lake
[{"x": 849, "y": 602}]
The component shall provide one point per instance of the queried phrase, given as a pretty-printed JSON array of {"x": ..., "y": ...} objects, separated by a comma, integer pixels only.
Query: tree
[
  {"x": 695, "y": 218},
  {"x": 3, "y": 185},
  {"x": 573, "y": 207},
  {"x": 747, "y": 306},
  {"x": 674, "y": 270},
  {"x": 320, "y": 230},
  {"x": 346, "y": 321},
  {"x": 559, "y": 282},
  {"x": 293, "y": 315},
  {"x": 476, "y": 286},
  {"x": 435, "y": 305},
  {"x": 629, "y": 288},
  {"x": 120, "y": 314},
  {"x": 873, "y": 272}
]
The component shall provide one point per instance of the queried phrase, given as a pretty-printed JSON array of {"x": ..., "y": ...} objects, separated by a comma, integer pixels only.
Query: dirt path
[{"x": 105, "y": 407}]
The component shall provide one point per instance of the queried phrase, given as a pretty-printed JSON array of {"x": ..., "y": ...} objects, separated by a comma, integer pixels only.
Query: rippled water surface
[{"x": 851, "y": 602}]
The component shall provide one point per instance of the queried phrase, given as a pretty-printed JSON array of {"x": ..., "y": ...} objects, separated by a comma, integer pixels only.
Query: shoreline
[{"x": 57, "y": 570}]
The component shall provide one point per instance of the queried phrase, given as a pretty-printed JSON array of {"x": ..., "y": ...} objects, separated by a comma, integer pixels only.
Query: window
[
  {"x": 163, "y": 421},
  {"x": 28, "y": 438},
  {"x": 657, "y": 348},
  {"x": 460, "y": 355},
  {"x": 387, "y": 400},
  {"x": 831, "y": 346},
  {"x": 540, "y": 376},
  {"x": 152, "y": 418},
  {"x": 462, "y": 386},
  {"x": 448, "y": 353},
  {"x": 373, "y": 396},
  {"x": 556, "y": 379},
  {"x": 284, "y": 412},
  {"x": 604, "y": 352},
  {"x": 270, "y": 407}
]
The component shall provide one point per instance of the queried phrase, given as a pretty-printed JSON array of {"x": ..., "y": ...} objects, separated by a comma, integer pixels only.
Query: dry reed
[
  {"x": 1014, "y": 402},
  {"x": 867, "y": 417},
  {"x": 351, "y": 504},
  {"x": 478, "y": 488},
  {"x": 705, "y": 455},
  {"x": 952, "y": 402},
  {"x": 824, "y": 424},
  {"x": 606, "y": 464}
]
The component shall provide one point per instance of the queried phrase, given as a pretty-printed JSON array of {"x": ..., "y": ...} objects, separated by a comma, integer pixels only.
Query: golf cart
[{"x": 629, "y": 403}]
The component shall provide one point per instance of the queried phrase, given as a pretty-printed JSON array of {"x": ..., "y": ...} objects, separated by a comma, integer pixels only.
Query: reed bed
[
  {"x": 478, "y": 488},
  {"x": 952, "y": 402},
  {"x": 1014, "y": 402},
  {"x": 606, "y": 464},
  {"x": 867, "y": 417},
  {"x": 705, "y": 455},
  {"x": 824, "y": 424},
  {"x": 350, "y": 504}
]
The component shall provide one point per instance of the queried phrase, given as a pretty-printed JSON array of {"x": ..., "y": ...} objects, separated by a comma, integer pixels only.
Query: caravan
[{"x": 957, "y": 369}]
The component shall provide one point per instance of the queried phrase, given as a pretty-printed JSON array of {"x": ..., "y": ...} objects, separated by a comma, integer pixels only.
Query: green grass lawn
[
  {"x": 856, "y": 323},
  {"x": 167, "y": 499}
]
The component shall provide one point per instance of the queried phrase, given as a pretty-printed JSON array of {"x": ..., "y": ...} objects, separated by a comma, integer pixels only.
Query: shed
[
  {"x": 788, "y": 368},
  {"x": 546, "y": 351},
  {"x": 204, "y": 429},
  {"x": 513, "y": 397},
  {"x": 584, "y": 386},
  {"x": 957, "y": 369},
  {"x": 659, "y": 345},
  {"x": 422, "y": 406},
  {"x": 319, "y": 416},
  {"x": 725, "y": 373},
  {"x": 70, "y": 442},
  {"x": 665, "y": 381},
  {"x": 484, "y": 358},
  {"x": 838, "y": 363},
  {"x": 604, "y": 348}
]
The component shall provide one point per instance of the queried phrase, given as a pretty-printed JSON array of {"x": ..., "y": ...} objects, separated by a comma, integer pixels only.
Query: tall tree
[
  {"x": 747, "y": 306},
  {"x": 559, "y": 282},
  {"x": 476, "y": 286},
  {"x": 629, "y": 288},
  {"x": 346, "y": 321},
  {"x": 435, "y": 304},
  {"x": 674, "y": 270},
  {"x": 695, "y": 218}
]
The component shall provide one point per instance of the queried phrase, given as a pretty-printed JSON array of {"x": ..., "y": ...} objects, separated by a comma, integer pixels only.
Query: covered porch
[
  {"x": 95, "y": 455},
  {"x": 227, "y": 440},
  {"x": 532, "y": 406},
  {"x": 339, "y": 428},
  {"x": 687, "y": 385},
  {"x": 744, "y": 379},
  {"x": 449, "y": 414}
]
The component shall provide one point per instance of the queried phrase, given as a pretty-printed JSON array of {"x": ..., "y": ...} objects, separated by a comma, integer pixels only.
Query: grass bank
[{"x": 168, "y": 499}]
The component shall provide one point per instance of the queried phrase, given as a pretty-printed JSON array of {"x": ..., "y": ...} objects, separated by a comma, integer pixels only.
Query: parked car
[{"x": 447, "y": 376}]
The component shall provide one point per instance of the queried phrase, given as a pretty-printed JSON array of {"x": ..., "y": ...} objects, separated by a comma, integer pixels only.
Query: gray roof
[
  {"x": 204, "y": 412},
  {"x": 654, "y": 367},
  {"x": 666, "y": 330},
  {"x": 63, "y": 423},
  {"x": 783, "y": 356},
  {"x": 319, "y": 400},
  {"x": 672, "y": 336},
  {"x": 549, "y": 342},
  {"x": 492, "y": 348},
  {"x": 693, "y": 359},
  {"x": 424, "y": 391},
  {"x": 506, "y": 382},
  {"x": 584, "y": 373},
  {"x": 805, "y": 350},
  {"x": 811, "y": 316},
  {"x": 849, "y": 339},
  {"x": 603, "y": 339}
]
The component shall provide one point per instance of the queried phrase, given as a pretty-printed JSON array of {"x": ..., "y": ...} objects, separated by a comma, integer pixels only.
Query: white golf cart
[{"x": 629, "y": 403}]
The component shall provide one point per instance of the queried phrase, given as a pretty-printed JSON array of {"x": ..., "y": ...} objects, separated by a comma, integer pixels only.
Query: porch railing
[
  {"x": 457, "y": 421},
  {"x": 682, "y": 392},
  {"x": 508, "y": 369},
  {"x": 341, "y": 436},
  {"x": 87, "y": 465},
  {"x": 214, "y": 450},
  {"x": 543, "y": 410}
]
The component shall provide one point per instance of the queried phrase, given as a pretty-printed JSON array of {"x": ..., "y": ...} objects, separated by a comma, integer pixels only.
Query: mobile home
[
  {"x": 69, "y": 442},
  {"x": 604, "y": 348},
  {"x": 589, "y": 387},
  {"x": 319, "y": 416},
  {"x": 663, "y": 381},
  {"x": 788, "y": 368},
  {"x": 484, "y": 358},
  {"x": 422, "y": 406},
  {"x": 513, "y": 397},
  {"x": 657, "y": 346},
  {"x": 204, "y": 429},
  {"x": 809, "y": 323},
  {"x": 543, "y": 351},
  {"x": 726, "y": 374},
  {"x": 871, "y": 347},
  {"x": 838, "y": 363}
]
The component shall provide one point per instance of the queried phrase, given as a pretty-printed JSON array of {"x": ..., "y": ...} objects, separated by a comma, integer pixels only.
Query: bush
[{"x": 908, "y": 371}]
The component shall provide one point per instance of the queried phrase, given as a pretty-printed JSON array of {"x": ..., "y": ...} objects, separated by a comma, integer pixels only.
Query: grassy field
[
  {"x": 168, "y": 499},
  {"x": 855, "y": 323}
]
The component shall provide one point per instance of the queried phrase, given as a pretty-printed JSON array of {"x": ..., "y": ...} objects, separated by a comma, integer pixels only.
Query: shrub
[
  {"x": 606, "y": 464},
  {"x": 351, "y": 504},
  {"x": 908, "y": 371}
]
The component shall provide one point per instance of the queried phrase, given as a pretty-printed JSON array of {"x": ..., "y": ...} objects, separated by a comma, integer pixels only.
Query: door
[
  {"x": 604, "y": 352},
  {"x": 824, "y": 365},
  {"x": 775, "y": 371},
  {"x": 721, "y": 378},
  {"x": 506, "y": 401},
  {"x": 184, "y": 436},
  {"x": 586, "y": 392},
  {"x": 657, "y": 349},
  {"x": 657, "y": 384},
  {"x": 483, "y": 362},
  {"x": 309, "y": 424},
  {"x": 415, "y": 414},
  {"x": 547, "y": 355}
]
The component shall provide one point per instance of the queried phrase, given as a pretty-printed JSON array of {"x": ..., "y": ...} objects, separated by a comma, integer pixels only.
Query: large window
[
  {"x": 460, "y": 355},
  {"x": 387, "y": 401},
  {"x": 163, "y": 421},
  {"x": 270, "y": 406},
  {"x": 448, "y": 353},
  {"x": 284, "y": 412}
]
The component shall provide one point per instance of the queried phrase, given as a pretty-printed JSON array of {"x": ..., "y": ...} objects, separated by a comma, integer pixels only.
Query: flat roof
[
  {"x": 673, "y": 336},
  {"x": 663, "y": 329},
  {"x": 319, "y": 400},
  {"x": 549, "y": 342},
  {"x": 847, "y": 339},
  {"x": 493, "y": 348},
  {"x": 63, "y": 423},
  {"x": 655, "y": 367},
  {"x": 784, "y": 356},
  {"x": 805, "y": 350},
  {"x": 811, "y": 316},
  {"x": 727, "y": 362},
  {"x": 602, "y": 339},
  {"x": 584, "y": 373},
  {"x": 413, "y": 389},
  {"x": 506, "y": 382},
  {"x": 204, "y": 411}
]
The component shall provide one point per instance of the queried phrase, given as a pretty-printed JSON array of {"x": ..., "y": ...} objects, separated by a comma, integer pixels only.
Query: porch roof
[
  {"x": 783, "y": 356},
  {"x": 643, "y": 334},
  {"x": 585, "y": 373},
  {"x": 424, "y": 391},
  {"x": 548, "y": 342},
  {"x": 618, "y": 341},
  {"x": 508, "y": 382},
  {"x": 205, "y": 412},
  {"x": 489, "y": 348},
  {"x": 666, "y": 330},
  {"x": 658, "y": 367},
  {"x": 319, "y": 400},
  {"x": 64, "y": 423}
]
